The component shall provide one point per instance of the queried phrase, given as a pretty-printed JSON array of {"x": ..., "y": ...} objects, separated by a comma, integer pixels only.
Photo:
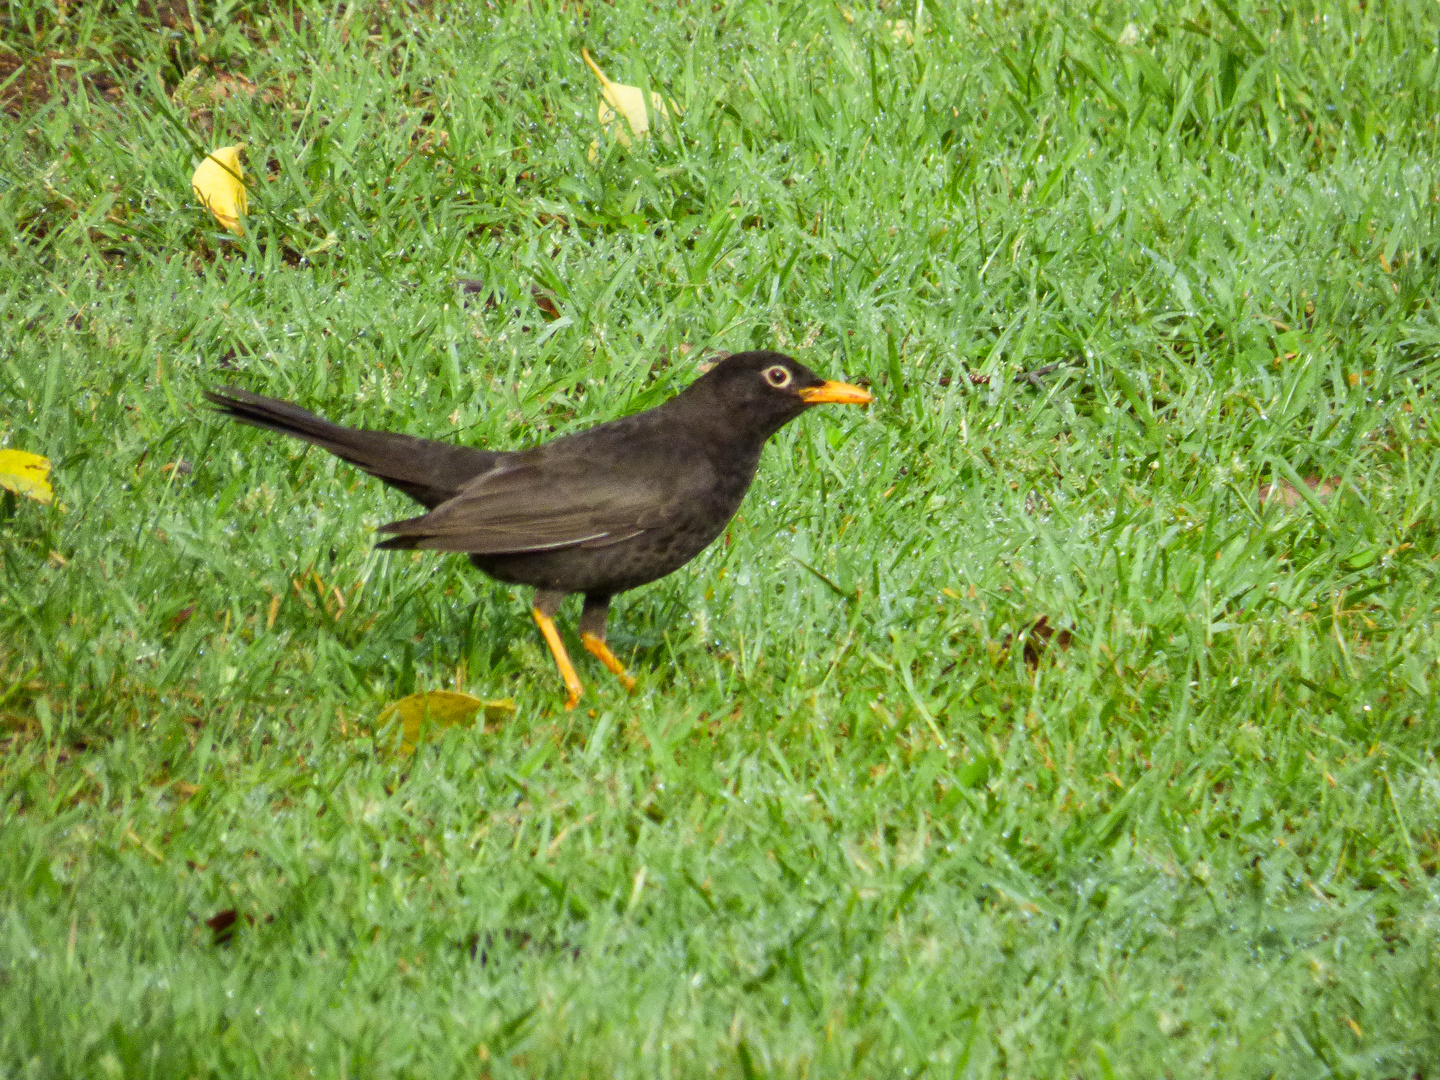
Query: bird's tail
[{"x": 429, "y": 472}]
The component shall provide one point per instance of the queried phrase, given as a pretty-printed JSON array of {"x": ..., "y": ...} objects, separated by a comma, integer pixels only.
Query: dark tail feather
[
  {"x": 399, "y": 543},
  {"x": 429, "y": 472}
]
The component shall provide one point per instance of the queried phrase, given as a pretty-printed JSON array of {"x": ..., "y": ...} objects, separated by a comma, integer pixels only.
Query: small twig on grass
[{"x": 1034, "y": 376}]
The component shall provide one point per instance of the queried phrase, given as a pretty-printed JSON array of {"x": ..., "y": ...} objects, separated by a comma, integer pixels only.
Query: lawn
[{"x": 1146, "y": 297}]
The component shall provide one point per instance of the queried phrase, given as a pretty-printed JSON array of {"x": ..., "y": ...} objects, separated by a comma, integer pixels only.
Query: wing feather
[{"x": 546, "y": 499}]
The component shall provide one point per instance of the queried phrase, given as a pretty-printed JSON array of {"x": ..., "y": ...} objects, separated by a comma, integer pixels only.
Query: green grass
[{"x": 843, "y": 829}]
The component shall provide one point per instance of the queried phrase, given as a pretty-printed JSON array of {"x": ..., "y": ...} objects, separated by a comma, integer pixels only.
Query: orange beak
[{"x": 836, "y": 393}]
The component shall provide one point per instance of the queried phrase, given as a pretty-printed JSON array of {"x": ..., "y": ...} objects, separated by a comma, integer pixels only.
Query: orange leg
[
  {"x": 597, "y": 648},
  {"x": 562, "y": 658}
]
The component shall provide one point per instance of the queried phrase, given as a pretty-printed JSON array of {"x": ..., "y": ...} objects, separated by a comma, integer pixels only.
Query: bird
[{"x": 597, "y": 512}]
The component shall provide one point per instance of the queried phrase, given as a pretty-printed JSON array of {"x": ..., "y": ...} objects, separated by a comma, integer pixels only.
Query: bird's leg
[
  {"x": 547, "y": 603},
  {"x": 592, "y": 636}
]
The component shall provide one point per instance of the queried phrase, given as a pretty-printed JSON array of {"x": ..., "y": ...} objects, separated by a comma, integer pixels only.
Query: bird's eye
[{"x": 778, "y": 376}]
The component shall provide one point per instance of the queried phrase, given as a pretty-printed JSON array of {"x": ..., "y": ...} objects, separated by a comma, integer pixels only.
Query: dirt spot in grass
[
  {"x": 30, "y": 81},
  {"x": 37, "y": 79},
  {"x": 171, "y": 14},
  {"x": 205, "y": 89}
]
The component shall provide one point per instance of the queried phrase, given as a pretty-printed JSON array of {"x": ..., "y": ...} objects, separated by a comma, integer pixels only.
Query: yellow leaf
[
  {"x": 219, "y": 184},
  {"x": 435, "y": 710},
  {"x": 628, "y": 101},
  {"x": 26, "y": 474},
  {"x": 900, "y": 31}
]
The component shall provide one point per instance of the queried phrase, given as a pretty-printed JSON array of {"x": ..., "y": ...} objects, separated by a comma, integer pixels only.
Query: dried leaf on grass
[
  {"x": 627, "y": 101},
  {"x": 545, "y": 301},
  {"x": 222, "y": 926},
  {"x": 422, "y": 715},
  {"x": 219, "y": 184},
  {"x": 26, "y": 474},
  {"x": 1289, "y": 496},
  {"x": 1038, "y": 638},
  {"x": 1042, "y": 634}
]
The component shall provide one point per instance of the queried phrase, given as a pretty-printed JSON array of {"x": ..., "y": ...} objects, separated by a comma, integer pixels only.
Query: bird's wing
[{"x": 544, "y": 500}]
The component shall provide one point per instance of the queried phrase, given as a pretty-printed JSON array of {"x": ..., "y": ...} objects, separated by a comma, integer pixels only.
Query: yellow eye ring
[{"x": 778, "y": 377}]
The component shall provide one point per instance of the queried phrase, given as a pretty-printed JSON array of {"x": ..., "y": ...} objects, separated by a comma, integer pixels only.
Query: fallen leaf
[
  {"x": 222, "y": 926},
  {"x": 1038, "y": 638},
  {"x": 1289, "y": 496},
  {"x": 1041, "y": 635},
  {"x": 219, "y": 183},
  {"x": 26, "y": 474},
  {"x": 545, "y": 302},
  {"x": 435, "y": 710},
  {"x": 628, "y": 101}
]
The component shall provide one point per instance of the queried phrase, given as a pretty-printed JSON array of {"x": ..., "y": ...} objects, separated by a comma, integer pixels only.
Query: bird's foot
[
  {"x": 597, "y": 648},
  {"x": 562, "y": 658}
]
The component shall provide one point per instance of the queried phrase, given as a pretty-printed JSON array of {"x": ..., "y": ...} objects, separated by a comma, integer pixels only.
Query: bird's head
[{"x": 760, "y": 392}]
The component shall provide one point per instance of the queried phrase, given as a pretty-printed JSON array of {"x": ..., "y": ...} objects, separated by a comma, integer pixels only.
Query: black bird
[{"x": 596, "y": 512}]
